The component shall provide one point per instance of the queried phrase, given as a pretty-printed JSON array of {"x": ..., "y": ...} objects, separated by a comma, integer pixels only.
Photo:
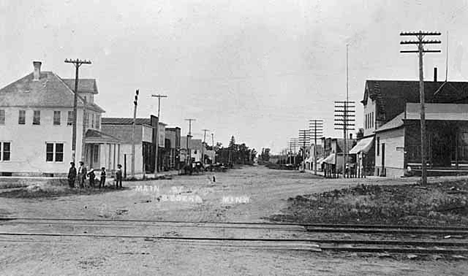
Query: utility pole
[
  {"x": 345, "y": 120},
  {"x": 421, "y": 42},
  {"x": 212, "y": 143},
  {"x": 135, "y": 104},
  {"x": 77, "y": 63},
  {"x": 316, "y": 129},
  {"x": 189, "y": 135},
  {"x": 156, "y": 158},
  {"x": 304, "y": 137},
  {"x": 203, "y": 145}
]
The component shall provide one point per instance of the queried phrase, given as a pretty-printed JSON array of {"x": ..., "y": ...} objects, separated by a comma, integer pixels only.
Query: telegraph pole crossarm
[{"x": 420, "y": 43}]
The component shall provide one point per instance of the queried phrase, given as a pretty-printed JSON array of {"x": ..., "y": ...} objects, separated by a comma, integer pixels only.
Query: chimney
[
  {"x": 435, "y": 74},
  {"x": 37, "y": 70}
]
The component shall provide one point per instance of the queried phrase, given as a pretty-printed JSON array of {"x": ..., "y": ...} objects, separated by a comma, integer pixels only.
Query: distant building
[
  {"x": 36, "y": 124},
  {"x": 194, "y": 148},
  {"x": 145, "y": 141},
  {"x": 172, "y": 148}
]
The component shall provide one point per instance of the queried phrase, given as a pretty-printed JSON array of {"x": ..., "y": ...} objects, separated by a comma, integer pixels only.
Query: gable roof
[
  {"x": 391, "y": 96},
  {"x": 84, "y": 85},
  {"x": 96, "y": 136},
  {"x": 49, "y": 91}
]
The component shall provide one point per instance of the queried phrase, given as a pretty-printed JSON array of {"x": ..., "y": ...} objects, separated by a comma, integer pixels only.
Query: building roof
[
  {"x": 391, "y": 96},
  {"x": 125, "y": 121},
  {"x": 84, "y": 85},
  {"x": 93, "y": 136},
  {"x": 394, "y": 123},
  {"x": 49, "y": 91}
]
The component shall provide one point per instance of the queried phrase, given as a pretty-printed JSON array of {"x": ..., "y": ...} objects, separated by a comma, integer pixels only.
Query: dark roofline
[{"x": 124, "y": 121}]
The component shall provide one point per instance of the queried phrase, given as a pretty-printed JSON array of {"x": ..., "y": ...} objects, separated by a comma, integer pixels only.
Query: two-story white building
[{"x": 36, "y": 125}]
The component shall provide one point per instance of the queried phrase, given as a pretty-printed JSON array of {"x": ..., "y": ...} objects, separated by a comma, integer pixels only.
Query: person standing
[
  {"x": 118, "y": 177},
  {"x": 82, "y": 174},
  {"x": 72, "y": 175},
  {"x": 91, "y": 176},
  {"x": 102, "y": 181}
]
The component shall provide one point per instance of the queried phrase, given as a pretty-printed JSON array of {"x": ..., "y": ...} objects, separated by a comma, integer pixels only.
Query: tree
[
  {"x": 265, "y": 156},
  {"x": 232, "y": 143}
]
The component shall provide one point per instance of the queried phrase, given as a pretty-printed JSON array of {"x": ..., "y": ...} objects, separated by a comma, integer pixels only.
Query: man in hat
[{"x": 72, "y": 175}]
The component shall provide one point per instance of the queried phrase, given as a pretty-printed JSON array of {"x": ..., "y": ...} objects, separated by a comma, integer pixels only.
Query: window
[
  {"x": 98, "y": 121},
  {"x": 2, "y": 116},
  {"x": 96, "y": 153},
  {"x": 70, "y": 118},
  {"x": 57, "y": 118},
  {"x": 92, "y": 120},
  {"x": 59, "y": 152},
  {"x": 22, "y": 117},
  {"x": 5, "y": 151},
  {"x": 37, "y": 117},
  {"x": 54, "y": 152},
  {"x": 378, "y": 146}
]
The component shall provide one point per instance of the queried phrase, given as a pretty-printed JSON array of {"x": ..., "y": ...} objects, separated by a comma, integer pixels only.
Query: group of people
[{"x": 82, "y": 174}]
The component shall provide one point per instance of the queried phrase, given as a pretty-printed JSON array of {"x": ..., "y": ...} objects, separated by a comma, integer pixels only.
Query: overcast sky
[{"x": 258, "y": 70}]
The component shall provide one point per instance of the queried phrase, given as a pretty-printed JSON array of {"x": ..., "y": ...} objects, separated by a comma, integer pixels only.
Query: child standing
[
  {"x": 91, "y": 176},
  {"x": 103, "y": 178}
]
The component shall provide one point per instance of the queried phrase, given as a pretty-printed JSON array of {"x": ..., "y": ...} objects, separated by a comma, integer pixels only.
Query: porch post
[{"x": 456, "y": 147}]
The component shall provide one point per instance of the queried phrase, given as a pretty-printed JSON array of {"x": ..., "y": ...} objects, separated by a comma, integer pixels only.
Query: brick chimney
[
  {"x": 435, "y": 74},
  {"x": 37, "y": 70}
]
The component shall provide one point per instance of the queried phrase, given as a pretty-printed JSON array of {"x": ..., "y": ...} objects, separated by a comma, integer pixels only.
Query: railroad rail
[{"x": 366, "y": 238}]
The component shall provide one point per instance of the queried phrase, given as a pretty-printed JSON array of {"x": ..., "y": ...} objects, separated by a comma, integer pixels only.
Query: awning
[
  {"x": 309, "y": 160},
  {"x": 364, "y": 145},
  {"x": 320, "y": 161},
  {"x": 330, "y": 159}
]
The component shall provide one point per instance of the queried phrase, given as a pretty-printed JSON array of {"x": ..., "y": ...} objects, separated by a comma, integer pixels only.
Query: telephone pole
[
  {"x": 77, "y": 63},
  {"x": 135, "y": 104},
  {"x": 212, "y": 143},
  {"x": 304, "y": 139},
  {"x": 316, "y": 130},
  {"x": 203, "y": 145},
  {"x": 421, "y": 42},
  {"x": 189, "y": 135},
  {"x": 156, "y": 158}
]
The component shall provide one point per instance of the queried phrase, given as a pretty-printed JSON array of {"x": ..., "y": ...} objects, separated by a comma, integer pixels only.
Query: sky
[{"x": 256, "y": 70}]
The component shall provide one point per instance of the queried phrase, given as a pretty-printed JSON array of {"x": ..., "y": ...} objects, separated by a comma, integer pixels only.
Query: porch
[{"x": 101, "y": 150}]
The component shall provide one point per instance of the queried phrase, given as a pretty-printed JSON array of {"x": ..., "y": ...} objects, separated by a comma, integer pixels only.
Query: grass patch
[
  {"x": 443, "y": 203},
  {"x": 52, "y": 192}
]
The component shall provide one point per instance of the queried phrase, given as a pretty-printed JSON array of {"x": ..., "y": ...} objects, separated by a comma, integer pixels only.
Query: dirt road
[{"x": 249, "y": 194}]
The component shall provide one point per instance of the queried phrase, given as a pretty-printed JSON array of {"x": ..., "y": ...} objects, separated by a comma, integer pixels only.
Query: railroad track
[{"x": 366, "y": 238}]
